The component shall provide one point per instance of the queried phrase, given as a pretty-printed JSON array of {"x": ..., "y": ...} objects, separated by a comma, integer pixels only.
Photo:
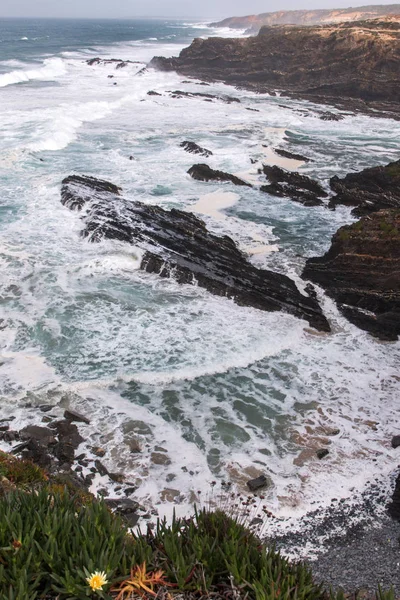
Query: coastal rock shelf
[
  {"x": 370, "y": 190},
  {"x": 361, "y": 271},
  {"x": 176, "y": 243},
  {"x": 356, "y": 62}
]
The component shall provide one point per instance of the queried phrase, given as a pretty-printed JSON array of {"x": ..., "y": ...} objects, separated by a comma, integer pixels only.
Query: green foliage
[
  {"x": 213, "y": 550},
  {"x": 20, "y": 472},
  {"x": 388, "y": 229},
  {"x": 46, "y": 543},
  {"x": 51, "y": 542}
]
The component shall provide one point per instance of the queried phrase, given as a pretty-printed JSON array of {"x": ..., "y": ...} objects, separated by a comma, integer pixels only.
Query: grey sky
[{"x": 167, "y": 8}]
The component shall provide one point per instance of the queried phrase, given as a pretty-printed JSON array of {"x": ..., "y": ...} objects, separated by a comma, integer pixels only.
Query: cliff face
[
  {"x": 351, "y": 60},
  {"x": 361, "y": 271},
  {"x": 308, "y": 17}
]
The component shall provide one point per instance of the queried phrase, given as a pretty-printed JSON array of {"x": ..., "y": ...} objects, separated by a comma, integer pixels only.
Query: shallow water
[{"x": 225, "y": 391}]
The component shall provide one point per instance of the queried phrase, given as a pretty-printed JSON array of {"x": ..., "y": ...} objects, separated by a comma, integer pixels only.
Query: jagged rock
[
  {"x": 178, "y": 243},
  {"x": 68, "y": 432},
  {"x": 42, "y": 435},
  {"x": 291, "y": 155},
  {"x": 153, "y": 93},
  {"x": 224, "y": 98},
  {"x": 64, "y": 452},
  {"x": 119, "y": 63},
  {"x": 329, "y": 116},
  {"x": 203, "y": 172},
  {"x": 126, "y": 508},
  {"x": 369, "y": 190},
  {"x": 321, "y": 453},
  {"x": 292, "y": 185},
  {"x": 195, "y": 149},
  {"x": 71, "y": 415},
  {"x": 394, "y": 506},
  {"x": 361, "y": 271},
  {"x": 321, "y": 63}
]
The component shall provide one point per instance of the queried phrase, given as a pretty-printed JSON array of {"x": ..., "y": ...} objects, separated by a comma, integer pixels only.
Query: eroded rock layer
[
  {"x": 361, "y": 271},
  {"x": 358, "y": 60},
  {"x": 176, "y": 243}
]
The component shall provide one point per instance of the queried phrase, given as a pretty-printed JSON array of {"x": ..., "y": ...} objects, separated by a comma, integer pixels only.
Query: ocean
[{"x": 209, "y": 391}]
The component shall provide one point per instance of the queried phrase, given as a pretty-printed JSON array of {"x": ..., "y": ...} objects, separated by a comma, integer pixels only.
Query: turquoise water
[{"x": 227, "y": 391}]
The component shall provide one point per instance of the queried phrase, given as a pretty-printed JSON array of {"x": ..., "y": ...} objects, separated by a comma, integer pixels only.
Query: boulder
[{"x": 177, "y": 244}]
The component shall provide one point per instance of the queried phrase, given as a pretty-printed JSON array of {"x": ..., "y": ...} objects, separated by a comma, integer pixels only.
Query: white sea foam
[
  {"x": 52, "y": 68},
  {"x": 225, "y": 389}
]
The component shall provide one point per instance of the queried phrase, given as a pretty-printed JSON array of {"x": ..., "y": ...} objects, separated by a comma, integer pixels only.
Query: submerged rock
[
  {"x": 361, "y": 271},
  {"x": 291, "y": 155},
  {"x": 368, "y": 190},
  {"x": 177, "y": 244},
  {"x": 292, "y": 185},
  {"x": 195, "y": 149},
  {"x": 203, "y": 172}
]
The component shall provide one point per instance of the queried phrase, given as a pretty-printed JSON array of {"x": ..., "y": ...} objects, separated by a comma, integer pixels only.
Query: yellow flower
[{"x": 97, "y": 580}]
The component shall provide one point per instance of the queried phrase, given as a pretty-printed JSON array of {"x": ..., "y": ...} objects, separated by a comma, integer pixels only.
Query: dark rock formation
[
  {"x": 395, "y": 441},
  {"x": 195, "y": 149},
  {"x": 177, "y": 243},
  {"x": 153, "y": 93},
  {"x": 292, "y": 185},
  {"x": 119, "y": 64},
  {"x": 224, "y": 98},
  {"x": 368, "y": 190},
  {"x": 203, "y": 172},
  {"x": 258, "y": 483},
  {"x": 358, "y": 61},
  {"x": 394, "y": 506},
  {"x": 361, "y": 271},
  {"x": 308, "y": 17},
  {"x": 291, "y": 155}
]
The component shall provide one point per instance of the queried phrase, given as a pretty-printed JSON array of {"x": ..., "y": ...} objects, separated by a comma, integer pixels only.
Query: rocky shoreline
[{"x": 349, "y": 65}]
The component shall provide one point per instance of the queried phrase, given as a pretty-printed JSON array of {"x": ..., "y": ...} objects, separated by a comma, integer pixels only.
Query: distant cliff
[
  {"x": 358, "y": 61},
  {"x": 308, "y": 17}
]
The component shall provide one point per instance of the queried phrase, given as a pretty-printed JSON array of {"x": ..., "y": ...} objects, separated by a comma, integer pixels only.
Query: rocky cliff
[
  {"x": 361, "y": 271},
  {"x": 354, "y": 61},
  {"x": 308, "y": 17}
]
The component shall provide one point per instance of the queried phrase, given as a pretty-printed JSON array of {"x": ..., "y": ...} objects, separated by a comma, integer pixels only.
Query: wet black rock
[
  {"x": 321, "y": 453},
  {"x": 329, "y": 116},
  {"x": 126, "y": 508},
  {"x": 209, "y": 97},
  {"x": 203, "y": 172},
  {"x": 370, "y": 190},
  {"x": 68, "y": 432},
  {"x": 291, "y": 155},
  {"x": 394, "y": 506},
  {"x": 258, "y": 483},
  {"x": 395, "y": 441},
  {"x": 292, "y": 185},
  {"x": 195, "y": 149},
  {"x": 153, "y": 93},
  {"x": 71, "y": 415},
  {"x": 177, "y": 244},
  {"x": 101, "y": 468}
]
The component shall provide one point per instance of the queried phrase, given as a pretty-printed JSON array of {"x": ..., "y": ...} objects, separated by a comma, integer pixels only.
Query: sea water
[{"x": 208, "y": 390}]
